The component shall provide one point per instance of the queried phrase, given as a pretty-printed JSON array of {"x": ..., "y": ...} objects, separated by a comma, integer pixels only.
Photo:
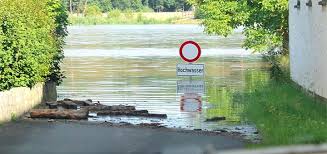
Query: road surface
[{"x": 40, "y": 137}]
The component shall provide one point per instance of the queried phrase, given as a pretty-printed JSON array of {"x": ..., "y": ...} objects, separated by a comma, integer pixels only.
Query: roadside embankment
[{"x": 285, "y": 115}]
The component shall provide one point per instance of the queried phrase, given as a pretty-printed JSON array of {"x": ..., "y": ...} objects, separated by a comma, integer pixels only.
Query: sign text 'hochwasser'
[{"x": 190, "y": 69}]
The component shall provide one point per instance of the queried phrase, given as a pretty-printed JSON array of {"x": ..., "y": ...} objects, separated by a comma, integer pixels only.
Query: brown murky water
[{"x": 136, "y": 65}]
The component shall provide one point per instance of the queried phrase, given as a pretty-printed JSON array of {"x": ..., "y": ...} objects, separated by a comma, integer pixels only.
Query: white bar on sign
[
  {"x": 190, "y": 69},
  {"x": 191, "y": 86}
]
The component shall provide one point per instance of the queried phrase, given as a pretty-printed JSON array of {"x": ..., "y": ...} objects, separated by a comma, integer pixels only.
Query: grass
[
  {"x": 285, "y": 115},
  {"x": 119, "y": 17},
  {"x": 14, "y": 117}
]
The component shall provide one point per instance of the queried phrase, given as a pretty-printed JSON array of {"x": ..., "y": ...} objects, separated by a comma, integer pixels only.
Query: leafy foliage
[
  {"x": 58, "y": 12},
  {"x": 265, "y": 22},
  {"x": 31, "y": 39}
]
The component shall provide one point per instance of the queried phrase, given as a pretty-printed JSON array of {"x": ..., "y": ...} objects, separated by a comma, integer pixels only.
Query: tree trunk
[
  {"x": 59, "y": 114},
  {"x": 70, "y": 6},
  {"x": 285, "y": 50},
  {"x": 85, "y": 7}
]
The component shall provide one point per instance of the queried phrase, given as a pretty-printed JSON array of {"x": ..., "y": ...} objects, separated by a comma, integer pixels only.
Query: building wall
[
  {"x": 17, "y": 101},
  {"x": 308, "y": 46}
]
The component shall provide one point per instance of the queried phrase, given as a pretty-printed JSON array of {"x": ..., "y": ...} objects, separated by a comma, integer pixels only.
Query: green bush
[
  {"x": 129, "y": 14},
  {"x": 198, "y": 13},
  {"x": 31, "y": 39},
  {"x": 93, "y": 11},
  {"x": 114, "y": 13}
]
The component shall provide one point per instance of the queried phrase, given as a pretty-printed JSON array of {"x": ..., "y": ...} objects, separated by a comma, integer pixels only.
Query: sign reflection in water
[{"x": 191, "y": 92}]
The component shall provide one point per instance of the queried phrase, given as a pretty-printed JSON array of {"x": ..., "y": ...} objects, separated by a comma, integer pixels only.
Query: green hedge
[{"x": 31, "y": 38}]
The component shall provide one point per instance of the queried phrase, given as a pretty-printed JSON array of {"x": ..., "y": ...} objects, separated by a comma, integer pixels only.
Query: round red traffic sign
[{"x": 190, "y": 51}]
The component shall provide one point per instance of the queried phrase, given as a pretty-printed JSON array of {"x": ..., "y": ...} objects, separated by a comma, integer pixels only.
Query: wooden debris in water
[
  {"x": 216, "y": 119},
  {"x": 88, "y": 105},
  {"x": 142, "y": 113},
  {"x": 59, "y": 114}
]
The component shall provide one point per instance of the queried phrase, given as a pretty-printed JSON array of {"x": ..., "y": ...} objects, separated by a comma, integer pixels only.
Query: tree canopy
[{"x": 265, "y": 22}]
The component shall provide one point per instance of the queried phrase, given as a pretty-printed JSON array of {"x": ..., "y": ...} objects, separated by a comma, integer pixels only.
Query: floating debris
[
  {"x": 59, "y": 114},
  {"x": 77, "y": 109},
  {"x": 215, "y": 119}
]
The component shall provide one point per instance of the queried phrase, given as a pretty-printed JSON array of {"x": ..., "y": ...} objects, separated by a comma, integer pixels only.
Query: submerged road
[{"x": 40, "y": 137}]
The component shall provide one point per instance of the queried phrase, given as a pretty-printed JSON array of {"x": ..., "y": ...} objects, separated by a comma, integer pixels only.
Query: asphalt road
[{"x": 41, "y": 137}]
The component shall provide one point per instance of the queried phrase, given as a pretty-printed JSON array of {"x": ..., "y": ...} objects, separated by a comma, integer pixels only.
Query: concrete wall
[
  {"x": 308, "y": 46},
  {"x": 17, "y": 101}
]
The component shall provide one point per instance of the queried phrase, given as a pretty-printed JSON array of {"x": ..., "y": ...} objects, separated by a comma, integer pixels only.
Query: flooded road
[{"x": 136, "y": 65}]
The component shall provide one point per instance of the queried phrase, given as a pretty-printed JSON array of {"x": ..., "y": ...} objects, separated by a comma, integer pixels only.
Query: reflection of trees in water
[{"x": 227, "y": 100}]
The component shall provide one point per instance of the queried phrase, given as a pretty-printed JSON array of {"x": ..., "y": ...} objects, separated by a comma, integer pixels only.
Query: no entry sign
[{"x": 190, "y": 51}]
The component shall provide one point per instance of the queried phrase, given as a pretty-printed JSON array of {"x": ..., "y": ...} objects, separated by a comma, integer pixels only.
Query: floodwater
[{"x": 136, "y": 65}]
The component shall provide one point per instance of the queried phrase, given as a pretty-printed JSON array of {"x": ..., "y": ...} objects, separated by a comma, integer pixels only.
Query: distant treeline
[{"x": 80, "y": 6}]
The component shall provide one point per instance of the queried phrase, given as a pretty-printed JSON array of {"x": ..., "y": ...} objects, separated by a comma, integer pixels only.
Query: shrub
[
  {"x": 31, "y": 39},
  {"x": 146, "y": 9},
  {"x": 128, "y": 14},
  {"x": 198, "y": 13},
  {"x": 93, "y": 11},
  {"x": 114, "y": 13}
]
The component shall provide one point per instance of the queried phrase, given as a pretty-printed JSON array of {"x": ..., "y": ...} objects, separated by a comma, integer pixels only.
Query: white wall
[
  {"x": 17, "y": 101},
  {"x": 308, "y": 46}
]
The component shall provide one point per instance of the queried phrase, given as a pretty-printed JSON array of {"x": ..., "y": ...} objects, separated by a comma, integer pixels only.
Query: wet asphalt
[{"x": 40, "y": 137}]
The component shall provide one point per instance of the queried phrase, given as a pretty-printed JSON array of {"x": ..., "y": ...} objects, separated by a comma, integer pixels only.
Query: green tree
[
  {"x": 58, "y": 12},
  {"x": 182, "y": 5},
  {"x": 265, "y": 22},
  {"x": 136, "y": 5},
  {"x": 104, "y": 5},
  {"x": 170, "y": 5},
  {"x": 31, "y": 36},
  {"x": 145, "y": 3},
  {"x": 159, "y": 5},
  {"x": 121, "y": 4}
]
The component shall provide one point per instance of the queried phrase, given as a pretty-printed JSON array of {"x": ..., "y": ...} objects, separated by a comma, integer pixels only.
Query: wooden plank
[{"x": 59, "y": 114}]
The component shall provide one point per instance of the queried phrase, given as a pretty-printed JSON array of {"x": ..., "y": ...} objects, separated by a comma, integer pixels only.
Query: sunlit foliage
[
  {"x": 31, "y": 39},
  {"x": 265, "y": 22}
]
